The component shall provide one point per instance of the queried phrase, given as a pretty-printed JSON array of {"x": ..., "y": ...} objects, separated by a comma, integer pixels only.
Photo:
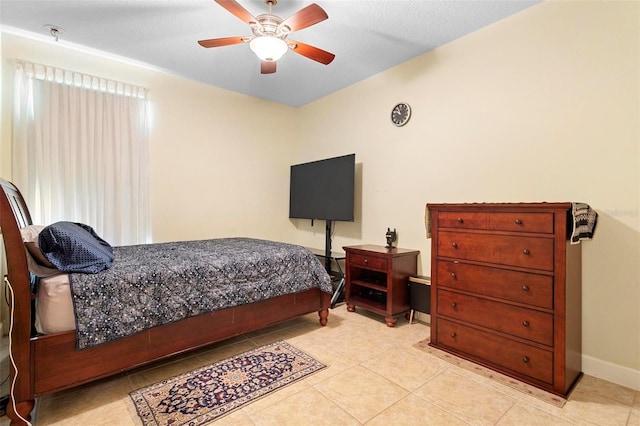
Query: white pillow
[
  {"x": 36, "y": 262},
  {"x": 30, "y": 233}
]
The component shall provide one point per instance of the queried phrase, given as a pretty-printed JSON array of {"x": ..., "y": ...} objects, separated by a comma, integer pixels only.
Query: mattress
[
  {"x": 140, "y": 291},
  {"x": 54, "y": 307}
]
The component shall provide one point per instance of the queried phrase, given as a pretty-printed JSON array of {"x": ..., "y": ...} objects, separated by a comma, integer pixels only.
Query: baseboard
[{"x": 623, "y": 376}]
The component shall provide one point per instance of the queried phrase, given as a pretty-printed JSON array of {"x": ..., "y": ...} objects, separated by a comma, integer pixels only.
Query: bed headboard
[
  {"x": 18, "y": 206},
  {"x": 14, "y": 215}
]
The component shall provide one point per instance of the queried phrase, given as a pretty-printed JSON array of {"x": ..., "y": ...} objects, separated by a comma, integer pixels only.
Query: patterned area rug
[
  {"x": 203, "y": 395},
  {"x": 550, "y": 398}
]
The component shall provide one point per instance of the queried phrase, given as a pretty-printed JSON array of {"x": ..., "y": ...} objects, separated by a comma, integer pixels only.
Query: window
[{"x": 81, "y": 151}]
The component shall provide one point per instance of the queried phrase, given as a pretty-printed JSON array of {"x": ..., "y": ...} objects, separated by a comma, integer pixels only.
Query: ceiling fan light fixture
[{"x": 268, "y": 48}]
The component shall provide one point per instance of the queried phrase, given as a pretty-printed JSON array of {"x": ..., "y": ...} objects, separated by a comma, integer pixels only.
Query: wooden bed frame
[{"x": 48, "y": 363}]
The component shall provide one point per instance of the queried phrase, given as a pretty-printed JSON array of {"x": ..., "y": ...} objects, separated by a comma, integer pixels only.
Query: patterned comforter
[{"x": 155, "y": 284}]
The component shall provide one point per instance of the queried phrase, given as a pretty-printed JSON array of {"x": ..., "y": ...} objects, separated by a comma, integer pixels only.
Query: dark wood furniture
[
  {"x": 377, "y": 279},
  {"x": 419, "y": 295},
  {"x": 50, "y": 363},
  {"x": 506, "y": 289}
]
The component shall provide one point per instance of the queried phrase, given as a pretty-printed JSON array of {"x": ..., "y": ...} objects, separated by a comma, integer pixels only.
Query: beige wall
[
  {"x": 542, "y": 106},
  {"x": 220, "y": 163}
]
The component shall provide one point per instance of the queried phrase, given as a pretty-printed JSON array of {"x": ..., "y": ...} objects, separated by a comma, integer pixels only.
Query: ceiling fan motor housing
[{"x": 269, "y": 25}]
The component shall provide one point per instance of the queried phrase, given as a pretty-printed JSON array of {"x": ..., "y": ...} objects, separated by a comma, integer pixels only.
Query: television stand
[
  {"x": 337, "y": 276},
  {"x": 329, "y": 258}
]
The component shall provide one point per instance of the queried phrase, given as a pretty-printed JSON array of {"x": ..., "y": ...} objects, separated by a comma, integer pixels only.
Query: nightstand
[{"x": 377, "y": 279}]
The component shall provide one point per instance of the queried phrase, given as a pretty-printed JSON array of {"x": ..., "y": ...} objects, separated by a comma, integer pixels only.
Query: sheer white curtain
[{"x": 81, "y": 151}]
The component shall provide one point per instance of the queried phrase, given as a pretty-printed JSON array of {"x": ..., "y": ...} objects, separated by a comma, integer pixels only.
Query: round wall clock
[{"x": 400, "y": 114}]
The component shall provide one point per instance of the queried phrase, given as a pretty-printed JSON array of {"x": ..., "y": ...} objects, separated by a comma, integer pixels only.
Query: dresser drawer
[
  {"x": 521, "y": 322},
  {"x": 532, "y": 289},
  {"x": 371, "y": 262},
  {"x": 504, "y": 353},
  {"x": 526, "y": 252},
  {"x": 462, "y": 220},
  {"x": 521, "y": 222}
]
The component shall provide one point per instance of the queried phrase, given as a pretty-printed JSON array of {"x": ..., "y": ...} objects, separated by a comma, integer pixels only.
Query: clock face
[{"x": 400, "y": 114}]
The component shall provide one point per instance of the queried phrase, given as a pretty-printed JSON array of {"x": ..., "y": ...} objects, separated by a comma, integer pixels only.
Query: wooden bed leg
[
  {"x": 24, "y": 409},
  {"x": 324, "y": 315}
]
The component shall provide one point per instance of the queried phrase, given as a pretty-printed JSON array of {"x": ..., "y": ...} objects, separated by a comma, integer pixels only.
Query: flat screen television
[{"x": 323, "y": 189}]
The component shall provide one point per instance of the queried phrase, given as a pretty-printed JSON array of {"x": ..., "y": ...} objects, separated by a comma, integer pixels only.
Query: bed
[{"x": 62, "y": 359}]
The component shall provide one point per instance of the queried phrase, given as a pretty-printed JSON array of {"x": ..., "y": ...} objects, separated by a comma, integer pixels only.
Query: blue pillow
[{"x": 75, "y": 247}]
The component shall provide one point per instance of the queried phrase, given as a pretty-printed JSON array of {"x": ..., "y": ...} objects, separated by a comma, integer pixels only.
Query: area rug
[
  {"x": 203, "y": 395},
  {"x": 548, "y": 397}
]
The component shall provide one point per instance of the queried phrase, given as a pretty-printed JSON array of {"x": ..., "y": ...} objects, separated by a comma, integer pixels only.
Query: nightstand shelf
[
  {"x": 373, "y": 285},
  {"x": 369, "y": 304},
  {"x": 377, "y": 279}
]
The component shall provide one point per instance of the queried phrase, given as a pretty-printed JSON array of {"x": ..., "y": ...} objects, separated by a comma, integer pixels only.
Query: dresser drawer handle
[
  {"x": 453, "y": 275},
  {"x": 525, "y": 359},
  {"x": 525, "y": 323},
  {"x": 527, "y": 252},
  {"x": 525, "y": 288},
  {"x": 453, "y": 305},
  {"x": 460, "y": 220},
  {"x": 453, "y": 334},
  {"x": 366, "y": 261},
  {"x": 518, "y": 222},
  {"x": 454, "y": 245}
]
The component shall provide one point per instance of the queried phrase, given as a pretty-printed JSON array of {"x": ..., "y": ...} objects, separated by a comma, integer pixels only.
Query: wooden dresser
[{"x": 506, "y": 289}]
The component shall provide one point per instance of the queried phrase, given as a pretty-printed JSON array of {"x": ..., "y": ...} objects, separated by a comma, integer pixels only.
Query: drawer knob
[
  {"x": 525, "y": 288},
  {"x": 366, "y": 261},
  {"x": 454, "y": 245},
  {"x": 453, "y": 334},
  {"x": 460, "y": 220},
  {"x": 525, "y": 359},
  {"x": 453, "y": 275},
  {"x": 518, "y": 222},
  {"x": 525, "y": 323},
  {"x": 453, "y": 304},
  {"x": 527, "y": 252}
]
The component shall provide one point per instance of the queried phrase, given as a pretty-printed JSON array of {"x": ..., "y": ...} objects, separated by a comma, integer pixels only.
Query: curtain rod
[{"x": 80, "y": 79}]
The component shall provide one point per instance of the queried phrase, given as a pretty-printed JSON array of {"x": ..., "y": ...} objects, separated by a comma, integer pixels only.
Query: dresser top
[{"x": 500, "y": 206}]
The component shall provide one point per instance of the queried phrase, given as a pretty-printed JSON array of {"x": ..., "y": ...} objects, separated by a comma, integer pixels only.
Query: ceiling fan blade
[
  {"x": 240, "y": 12},
  {"x": 311, "y": 52},
  {"x": 225, "y": 41},
  {"x": 305, "y": 17},
  {"x": 267, "y": 67}
]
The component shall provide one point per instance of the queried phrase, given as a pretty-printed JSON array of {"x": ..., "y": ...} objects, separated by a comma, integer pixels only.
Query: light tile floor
[{"x": 375, "y": 377}]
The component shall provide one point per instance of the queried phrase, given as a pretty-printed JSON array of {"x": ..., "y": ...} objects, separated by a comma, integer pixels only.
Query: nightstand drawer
[
  {"x": 462, "y": 220},
  {"x": 370, "y": 262},
  {"x": 522, "y": 287},
  {"x": 521, "y": 322},
  {"x": 521, "y": 222},
  {"x": 519, "y": 357},
  {"x": 526, "y": 252}
]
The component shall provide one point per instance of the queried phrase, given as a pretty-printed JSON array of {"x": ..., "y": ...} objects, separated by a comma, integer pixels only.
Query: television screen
[{"x": 323, "y": 189}]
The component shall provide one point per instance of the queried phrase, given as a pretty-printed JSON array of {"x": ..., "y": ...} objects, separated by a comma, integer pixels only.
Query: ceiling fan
[{"x": 270, "y": 41}]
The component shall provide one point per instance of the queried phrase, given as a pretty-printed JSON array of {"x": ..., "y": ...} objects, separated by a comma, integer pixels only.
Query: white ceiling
[{"x": 367, "y": 37}]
